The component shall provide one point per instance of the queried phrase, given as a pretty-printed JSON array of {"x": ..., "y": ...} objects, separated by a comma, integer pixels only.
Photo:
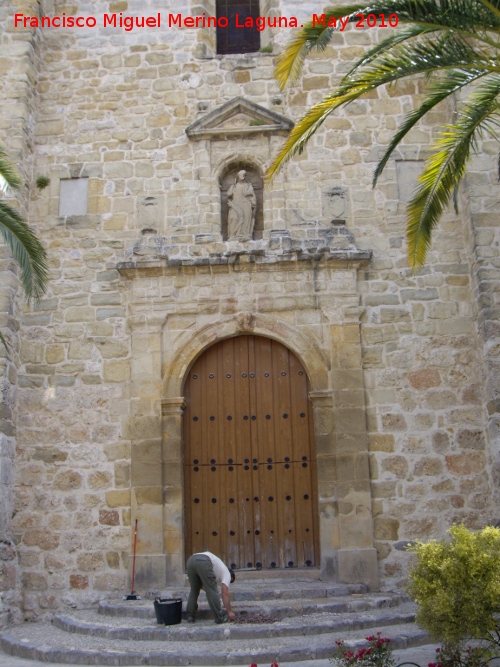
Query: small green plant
[
  {"x": 253, "y": 123},
  {"x": 42, "y": 182},
  {"x": 266, "y": 49},
  {"x": 456, "y": 584},
  {"x": 377, "y": 654}
]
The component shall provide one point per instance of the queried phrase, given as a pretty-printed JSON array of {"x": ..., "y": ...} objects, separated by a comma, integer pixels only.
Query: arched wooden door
[{"x": 249, "y": 461}]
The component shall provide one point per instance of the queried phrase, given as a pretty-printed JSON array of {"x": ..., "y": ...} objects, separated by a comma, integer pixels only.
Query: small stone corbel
[{"x": 245, "y": 322}]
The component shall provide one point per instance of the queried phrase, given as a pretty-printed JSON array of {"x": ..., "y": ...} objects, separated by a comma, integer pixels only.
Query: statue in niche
[{"x": 241, "y": 202}]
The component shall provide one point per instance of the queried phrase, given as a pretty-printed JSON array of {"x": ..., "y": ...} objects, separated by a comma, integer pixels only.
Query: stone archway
[{"x": 344, "y": 497}]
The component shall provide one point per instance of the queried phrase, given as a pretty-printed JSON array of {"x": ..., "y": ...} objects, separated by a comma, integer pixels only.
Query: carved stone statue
[{"x": 241, "y": 201}]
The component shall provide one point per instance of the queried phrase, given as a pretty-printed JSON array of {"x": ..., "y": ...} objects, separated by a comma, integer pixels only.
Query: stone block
[
  {"x": 109, "y": 518},
  {"x": 69, "y": 480},
  {"x": 99, "y": 480},
  {"x": 113, "y": 560},
  {"x": 34, "y": 581},
  {"x": 118, "y": 498},
  {"x": 122, "y": 474},
  {"x": 350, "y": 420},
  {"x": 385, "y": 529},
  {"x": 393, "y": 422},
  {"x": 467, "y": 463},
  {"x": 90, "y": 561},
  {"x": 43, "y": 539},
  {"x": 78, "y": 581},
  {"x": 149, "y": 495},
  {"x": 381, "y": 443},
  {"x": 54, "y": 354},
  {"x": 358, "y": 566},
  {"x": 116, "y": 371},
  {"x": 425, "y": 378},
  {"x": 471, "y": 439}
]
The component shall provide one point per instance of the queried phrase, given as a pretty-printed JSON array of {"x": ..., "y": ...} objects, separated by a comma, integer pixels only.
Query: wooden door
[{"x": 249, "y": 460}]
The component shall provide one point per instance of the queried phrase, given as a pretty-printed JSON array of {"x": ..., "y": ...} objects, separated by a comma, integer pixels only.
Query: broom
[{"x": 132, "y": 595}]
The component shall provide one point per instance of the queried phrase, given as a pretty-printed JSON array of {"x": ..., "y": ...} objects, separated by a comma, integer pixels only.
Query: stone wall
[
  {"x": 19, "y": 65},
  {"x": 401, "y": 350}
]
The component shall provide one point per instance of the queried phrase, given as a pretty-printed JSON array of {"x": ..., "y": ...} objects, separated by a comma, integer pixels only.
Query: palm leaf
[
  {"x": 439, "y": 91},
  {"x": 493, "y": 7},
  {"x": 445, "y": 169},
  {"x": 471, "y": 18},
  {"x": 26, "y": 250},
  {"x": 8, "y": 171},
  {"x": 404, "y": 60}
]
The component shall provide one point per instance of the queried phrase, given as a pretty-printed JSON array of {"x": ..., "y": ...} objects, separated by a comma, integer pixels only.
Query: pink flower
[{"x": 253, "y": 664}]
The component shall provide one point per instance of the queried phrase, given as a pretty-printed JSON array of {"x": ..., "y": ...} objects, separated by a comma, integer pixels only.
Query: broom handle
[{"x": 133, "y": 560}]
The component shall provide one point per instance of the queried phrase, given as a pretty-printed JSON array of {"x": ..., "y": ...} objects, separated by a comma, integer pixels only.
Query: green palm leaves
[
  {"x": 454, "y": 43},
  {"x": 24, "y": 245}
]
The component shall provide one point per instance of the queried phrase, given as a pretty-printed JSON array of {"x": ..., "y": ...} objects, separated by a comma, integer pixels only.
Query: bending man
[{"x": 206, "y": 571}]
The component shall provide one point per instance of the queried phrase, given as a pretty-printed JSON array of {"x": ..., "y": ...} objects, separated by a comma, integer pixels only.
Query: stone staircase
[{"x": 304, "y": 619}]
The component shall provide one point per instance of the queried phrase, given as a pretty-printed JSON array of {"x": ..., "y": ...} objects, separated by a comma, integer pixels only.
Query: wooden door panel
[{"x": 250, "y": 470}]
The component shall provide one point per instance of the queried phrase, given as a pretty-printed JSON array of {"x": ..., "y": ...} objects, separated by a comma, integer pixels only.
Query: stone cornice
[
  {"x": 260, "y": 121},
  {"x": 342, "y": 259}
]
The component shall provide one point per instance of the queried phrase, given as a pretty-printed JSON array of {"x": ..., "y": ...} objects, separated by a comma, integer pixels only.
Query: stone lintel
[
  {"x": 173, "y": 406},
  {"x": 357, "y": 566}
]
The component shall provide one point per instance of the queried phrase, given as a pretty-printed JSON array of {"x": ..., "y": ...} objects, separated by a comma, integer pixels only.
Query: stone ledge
[{"x": 337, "y": 258}]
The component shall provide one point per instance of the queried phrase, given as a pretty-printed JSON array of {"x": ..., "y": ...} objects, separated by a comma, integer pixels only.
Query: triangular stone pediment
[{"x": 236, "y": 118}]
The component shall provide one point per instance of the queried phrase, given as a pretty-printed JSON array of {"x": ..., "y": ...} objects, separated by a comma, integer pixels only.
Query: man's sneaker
[
  {"x": 224, "y": 619},
  {"x": 190, "y": 619}
]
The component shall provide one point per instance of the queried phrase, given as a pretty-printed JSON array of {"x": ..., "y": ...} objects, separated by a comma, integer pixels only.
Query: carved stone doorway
[{"x": 249, "y": 462}]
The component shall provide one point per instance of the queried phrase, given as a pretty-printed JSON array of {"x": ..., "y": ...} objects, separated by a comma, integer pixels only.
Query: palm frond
[
  {"x": 438, "y": 91},
  {"x": 289, "y": 64},
  {"x": 404, "y": 60},
  {"x": 26, "y": 250},
  {"x": 470, "y": 18},
  {"x": 407, "y": 33},
  {"x": 492, "y": 7},
  {"x": 445, "y": 169},
  {"x": 8, "y": 171}
]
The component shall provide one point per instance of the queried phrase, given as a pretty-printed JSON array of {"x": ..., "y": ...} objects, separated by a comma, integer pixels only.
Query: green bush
[{"x": 456, "y": 584}]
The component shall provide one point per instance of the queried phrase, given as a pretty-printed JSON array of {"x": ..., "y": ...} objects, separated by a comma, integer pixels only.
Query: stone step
[
  {"x": 44, "y": 642},
  {"x": 86, "y": 622},
  {"x": 271, "y": 589},
  {"x": 276, "y": 607}
]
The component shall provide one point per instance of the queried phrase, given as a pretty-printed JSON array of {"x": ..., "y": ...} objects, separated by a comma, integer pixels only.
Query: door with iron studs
[{"x": 249, "y": 460}]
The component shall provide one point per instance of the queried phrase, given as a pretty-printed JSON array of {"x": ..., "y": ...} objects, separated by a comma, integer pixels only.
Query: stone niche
[
  {"x": 237, "y": 135},
  {"x": 227, "y": 179}
]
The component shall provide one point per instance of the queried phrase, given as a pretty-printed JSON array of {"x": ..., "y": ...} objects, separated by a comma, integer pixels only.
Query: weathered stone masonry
[{"x": 402, "y": 366}]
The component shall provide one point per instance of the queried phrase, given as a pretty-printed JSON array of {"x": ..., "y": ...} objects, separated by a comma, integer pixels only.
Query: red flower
[{"x": 253, "y": 664}]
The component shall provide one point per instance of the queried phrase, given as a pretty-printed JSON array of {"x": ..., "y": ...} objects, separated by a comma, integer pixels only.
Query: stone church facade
[{"x": 142, "y": 134}]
